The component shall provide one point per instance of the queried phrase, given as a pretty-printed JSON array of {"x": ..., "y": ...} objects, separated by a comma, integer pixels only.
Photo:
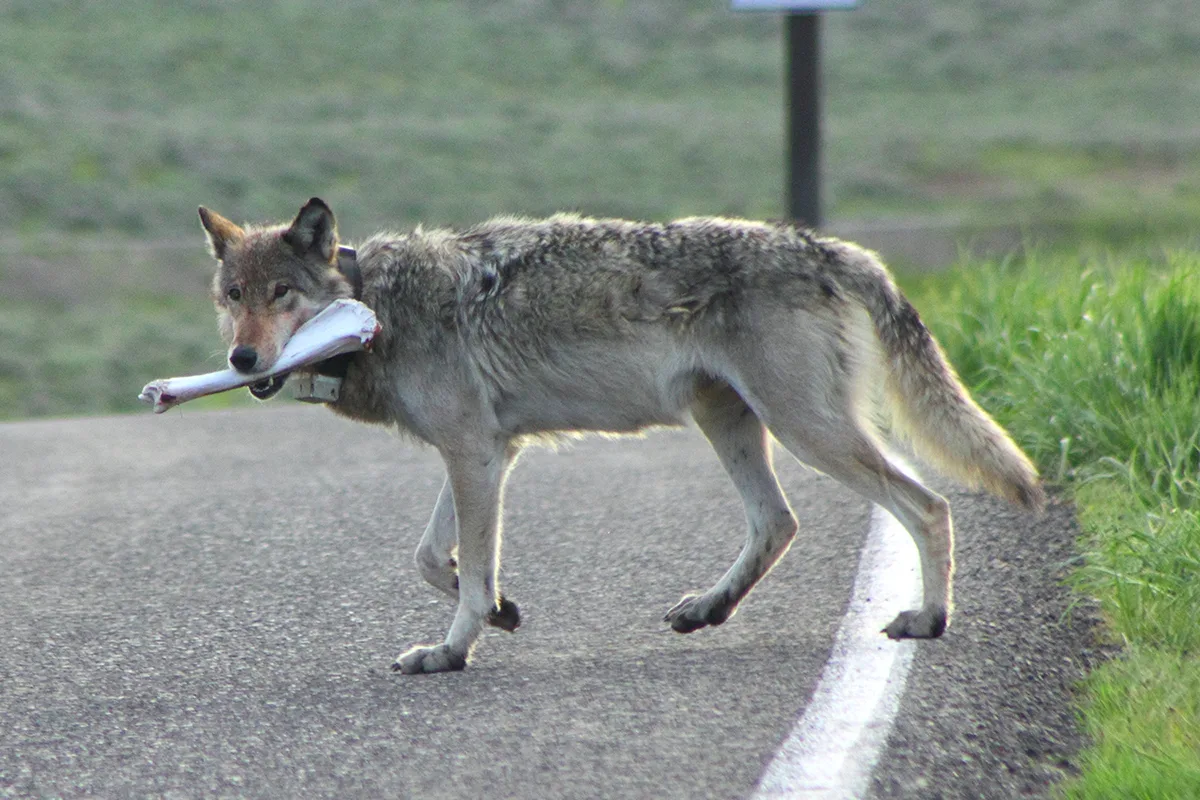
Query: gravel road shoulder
[{"x": 989, "y": 709}]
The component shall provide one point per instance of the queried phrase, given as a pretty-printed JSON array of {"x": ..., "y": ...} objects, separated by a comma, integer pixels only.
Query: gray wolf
[{"x": 516, "y": 331}]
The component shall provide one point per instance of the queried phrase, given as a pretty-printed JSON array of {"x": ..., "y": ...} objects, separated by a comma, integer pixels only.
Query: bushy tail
[{"x": 930, "y": 404}]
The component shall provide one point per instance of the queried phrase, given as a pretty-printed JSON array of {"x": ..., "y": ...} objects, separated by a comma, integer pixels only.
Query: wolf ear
[
  {"x": 314, "y": 231},
  {"x": 221, "y": 232}
]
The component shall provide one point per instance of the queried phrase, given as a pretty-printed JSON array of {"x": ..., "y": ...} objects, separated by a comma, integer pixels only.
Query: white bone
[{"x": 343, "y": 327}]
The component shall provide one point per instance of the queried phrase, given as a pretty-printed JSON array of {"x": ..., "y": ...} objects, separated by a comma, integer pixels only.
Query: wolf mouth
[{"x": 268, "y": 387}]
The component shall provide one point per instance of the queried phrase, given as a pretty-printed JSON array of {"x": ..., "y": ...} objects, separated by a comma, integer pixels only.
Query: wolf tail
[{"x": 929, "y": 404}]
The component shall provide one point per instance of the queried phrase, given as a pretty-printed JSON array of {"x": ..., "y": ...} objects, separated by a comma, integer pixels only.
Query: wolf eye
[
  {"x": 234, "y": 293},
  {"x": 281, "y": 289}
]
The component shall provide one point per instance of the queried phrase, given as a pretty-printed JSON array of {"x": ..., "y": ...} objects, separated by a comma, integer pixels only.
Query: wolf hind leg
[
  {"x": 435, "y": 554},
  {"x": 844, "y": 452},
  {"x": 742, "y": 444}
]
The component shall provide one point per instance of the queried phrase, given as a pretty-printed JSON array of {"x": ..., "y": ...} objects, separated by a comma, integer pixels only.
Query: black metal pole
[{"x": 803, "y": 54}]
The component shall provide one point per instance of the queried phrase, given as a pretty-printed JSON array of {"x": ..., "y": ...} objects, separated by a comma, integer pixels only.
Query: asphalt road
[{"x": 207, "y": 604}]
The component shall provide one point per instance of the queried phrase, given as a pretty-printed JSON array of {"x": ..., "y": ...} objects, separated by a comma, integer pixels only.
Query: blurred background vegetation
[{"x": 1078, "y": 119}]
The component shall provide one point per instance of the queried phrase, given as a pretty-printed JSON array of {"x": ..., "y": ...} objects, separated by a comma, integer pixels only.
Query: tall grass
[{"x": 1094, "y": 365}]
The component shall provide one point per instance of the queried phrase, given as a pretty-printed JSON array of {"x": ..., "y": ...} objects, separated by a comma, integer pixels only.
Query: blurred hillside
[{"x": 120, "y": 118}]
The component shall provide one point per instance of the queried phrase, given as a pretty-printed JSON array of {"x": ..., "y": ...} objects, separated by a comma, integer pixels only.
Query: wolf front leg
[
  {"x": 475, "y": 480},
  {"x": 438, "y": 566}
]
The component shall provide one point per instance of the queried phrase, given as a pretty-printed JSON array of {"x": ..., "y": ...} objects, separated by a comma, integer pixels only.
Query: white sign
[{"x": 791, "y": 5}]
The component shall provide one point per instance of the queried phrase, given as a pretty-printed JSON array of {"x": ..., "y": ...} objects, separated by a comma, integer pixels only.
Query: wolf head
[{"x": 270, "y": 280}]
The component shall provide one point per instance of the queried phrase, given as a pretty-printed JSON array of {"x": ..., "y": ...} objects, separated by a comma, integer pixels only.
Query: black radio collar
[{"x": 347, "y": 264}]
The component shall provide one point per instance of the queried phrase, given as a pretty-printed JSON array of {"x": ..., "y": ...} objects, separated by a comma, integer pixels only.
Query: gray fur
[{"x": 517, "y": 331}]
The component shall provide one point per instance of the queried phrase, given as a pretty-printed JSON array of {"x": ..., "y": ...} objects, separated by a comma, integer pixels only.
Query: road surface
[{"x": 207, "y": 604}]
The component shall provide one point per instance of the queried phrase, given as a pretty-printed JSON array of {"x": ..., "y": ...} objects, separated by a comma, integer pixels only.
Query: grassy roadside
[{"x": 1094, "y": 365}]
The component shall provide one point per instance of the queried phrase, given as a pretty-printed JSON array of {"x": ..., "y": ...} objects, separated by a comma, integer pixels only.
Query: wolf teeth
[{"x": 268, "y": 387}]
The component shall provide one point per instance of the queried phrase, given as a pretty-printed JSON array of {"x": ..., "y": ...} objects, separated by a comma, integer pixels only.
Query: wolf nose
[{"x": 243, "y": 358}]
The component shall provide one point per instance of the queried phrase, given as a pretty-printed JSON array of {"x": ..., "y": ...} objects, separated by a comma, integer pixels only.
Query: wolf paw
[
  {"x": 694, "y": 612},
  {"x": 430, "y": 658},
  {"x": 505, "y": 616},
  {"x": 924, "y": 624}
]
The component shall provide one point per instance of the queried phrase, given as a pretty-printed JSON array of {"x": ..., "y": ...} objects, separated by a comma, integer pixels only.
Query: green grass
[
  {"x": 120, "y": 118},
  {"x": 1094, "y": 364},
  {"x": 1143, "y": 713},
  {"x": 1044, "y": 338}
]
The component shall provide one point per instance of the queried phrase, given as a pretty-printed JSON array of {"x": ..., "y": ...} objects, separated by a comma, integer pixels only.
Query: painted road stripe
[{"x": 835, "y": 744}]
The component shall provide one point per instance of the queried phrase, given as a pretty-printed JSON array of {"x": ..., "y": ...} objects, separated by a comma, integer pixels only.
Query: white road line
[{"x": 835, "y": 744}]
